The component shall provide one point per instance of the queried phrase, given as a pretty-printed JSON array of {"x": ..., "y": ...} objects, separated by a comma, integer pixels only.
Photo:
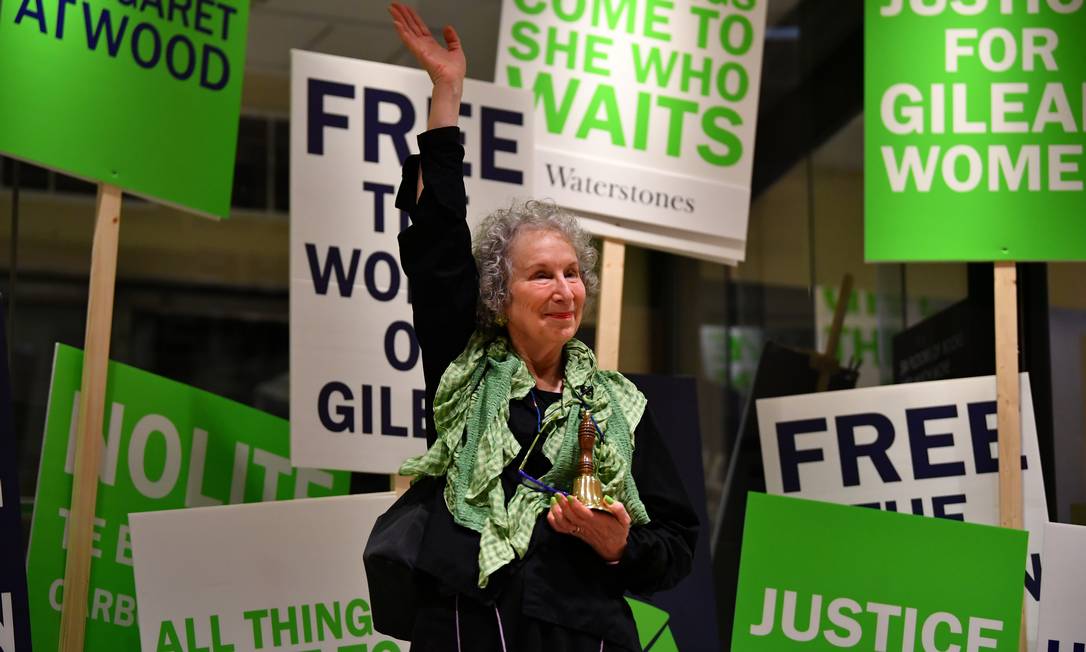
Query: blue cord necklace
[{"x": 535, "y": 483}]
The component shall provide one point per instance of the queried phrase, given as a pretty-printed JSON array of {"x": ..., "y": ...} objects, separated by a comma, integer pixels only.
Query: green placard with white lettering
[
  {"x": 140, "y": 94},
  {"x": 820, "y": 576},
  {"x": 974, "y": 128},
  {"x": 653, "y": 627},
  {"x": 167, "y": 446}
]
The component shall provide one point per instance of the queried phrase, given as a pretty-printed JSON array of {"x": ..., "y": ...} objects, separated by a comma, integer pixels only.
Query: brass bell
[{"x": 587, "y": 487}]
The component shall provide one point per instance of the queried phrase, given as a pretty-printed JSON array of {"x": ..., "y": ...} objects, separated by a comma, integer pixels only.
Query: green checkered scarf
[{"x": 473, "y": 397}]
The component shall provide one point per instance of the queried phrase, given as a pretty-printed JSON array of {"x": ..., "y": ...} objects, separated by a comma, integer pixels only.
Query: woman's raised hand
[{"x": 446, "y": 65}]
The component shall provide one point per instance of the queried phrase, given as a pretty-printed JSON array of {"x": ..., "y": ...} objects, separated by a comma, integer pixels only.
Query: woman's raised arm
[
  {"x": 446, "y": 65},
  {"x": 435, "y": 250}
]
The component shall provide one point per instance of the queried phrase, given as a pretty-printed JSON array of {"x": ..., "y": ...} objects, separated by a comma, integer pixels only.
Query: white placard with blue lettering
[
  {"x": 922, "y": 448},
  {"x": 1063, "y": 629},
  {"x": 356, "y": 385},
  {"x": 272, "y": 576}
]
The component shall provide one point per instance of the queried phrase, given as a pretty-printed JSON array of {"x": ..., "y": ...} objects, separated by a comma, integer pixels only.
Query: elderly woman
[{"x": 509, "y": 561}]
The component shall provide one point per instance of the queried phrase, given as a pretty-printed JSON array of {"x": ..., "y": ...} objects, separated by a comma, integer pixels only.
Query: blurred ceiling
[{"x": 362, "y": 29}]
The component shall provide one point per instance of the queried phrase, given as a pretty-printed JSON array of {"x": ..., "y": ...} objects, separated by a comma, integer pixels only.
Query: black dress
[{"x": 561, "y": 595}]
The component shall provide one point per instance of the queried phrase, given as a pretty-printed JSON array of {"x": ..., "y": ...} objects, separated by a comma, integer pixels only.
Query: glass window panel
[
  {"x": 31, "y": 177},
  {"x": 281, "y": 173},
  {"x": 66, "y": 184},
  {"x": 251, "y": 166}
]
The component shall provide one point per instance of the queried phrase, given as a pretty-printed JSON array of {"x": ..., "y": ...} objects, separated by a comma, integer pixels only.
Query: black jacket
[{"x": 561, "y": 580}]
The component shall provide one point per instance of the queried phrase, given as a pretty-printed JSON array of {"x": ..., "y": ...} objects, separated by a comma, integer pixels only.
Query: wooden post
[
  {"x": 1007, "y": 411},
  {"x": 1008, "y": 403},
  {"x": 88, "y": 447},
  {"x": 608, "y": 325},
  {"x": 399, "y": 483},
  {"x": 827, "y": 362}
]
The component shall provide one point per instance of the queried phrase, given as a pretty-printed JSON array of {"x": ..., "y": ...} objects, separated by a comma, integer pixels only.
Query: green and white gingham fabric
[{"x": 473, "y": 397}]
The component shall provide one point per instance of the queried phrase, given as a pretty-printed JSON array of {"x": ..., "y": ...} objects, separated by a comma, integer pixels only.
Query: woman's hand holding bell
[{"x": 606, "y": 533}]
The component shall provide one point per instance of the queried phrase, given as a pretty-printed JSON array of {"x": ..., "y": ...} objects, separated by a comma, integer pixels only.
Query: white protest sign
[
  {"x": 1063, "y": 595},
  {"x": 646, "y": 113},
  {"x": 925, "y": 448},
  {"x": 357, "y": 399},
  {"x": 165, "y": 446},
  {"x": 269, "y": 576}
]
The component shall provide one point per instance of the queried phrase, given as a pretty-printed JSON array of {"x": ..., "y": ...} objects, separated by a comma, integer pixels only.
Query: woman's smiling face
[{"x": 546, "y": 295}]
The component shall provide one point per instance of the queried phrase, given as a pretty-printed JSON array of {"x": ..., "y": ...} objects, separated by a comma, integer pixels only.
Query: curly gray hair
[{"x": 495, "y": 236}]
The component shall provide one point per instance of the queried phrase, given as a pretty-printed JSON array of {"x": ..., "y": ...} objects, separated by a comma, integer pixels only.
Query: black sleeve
[
  {"x": 660, "y": 553},
  {"x": 435, "y": 252}
]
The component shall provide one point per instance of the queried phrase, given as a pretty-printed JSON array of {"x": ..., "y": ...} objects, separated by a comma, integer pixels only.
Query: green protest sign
[
  {"x": 166, "y": 446},
  {"x": 975, "y": 124},
  {"x": 653, "y": 631},
  {"x": 820, "y": 576},
  {"x": 144, "y": 95}
]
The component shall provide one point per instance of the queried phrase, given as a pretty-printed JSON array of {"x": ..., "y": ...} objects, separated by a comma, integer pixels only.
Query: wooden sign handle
[
  {"x": 399, "y": 483},
  {"x": 1008, "y": 400},
  {"x": 844, "y": 295},
  {"x": 828, "y": 362},
  {"x": 1008, "y": 404},
  {"x": 608, "y": 325},
  {"x": 88, "y": 446}
]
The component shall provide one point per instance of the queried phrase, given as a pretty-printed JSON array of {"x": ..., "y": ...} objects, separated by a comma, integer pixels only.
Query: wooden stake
[
  {"x": 608, "y": 325},
  {"x": 828, "y": 361},
  {"x": 399, "y": 483},
  {"x": 1008, "y": 403},
  {"x": 88, "y": 447}
]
